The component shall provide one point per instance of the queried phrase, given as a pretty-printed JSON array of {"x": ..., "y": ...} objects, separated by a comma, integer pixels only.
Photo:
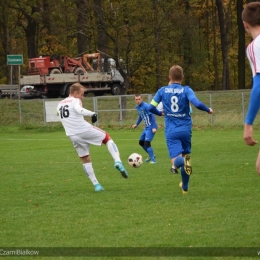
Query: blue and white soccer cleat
[
  {"x": 119, "y": 166},
  {"x": 98, "y": 187},
  {"x": 149, "y": 159},
  {"x": 152, "y": 162}
]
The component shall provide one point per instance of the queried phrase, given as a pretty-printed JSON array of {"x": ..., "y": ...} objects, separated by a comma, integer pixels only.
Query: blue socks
[
  {"x": 150, "y": 152},
  {"x": 179, "y": 163},
  {"x": 144, "y": 148},
  {"x": 185, "y": 179}
]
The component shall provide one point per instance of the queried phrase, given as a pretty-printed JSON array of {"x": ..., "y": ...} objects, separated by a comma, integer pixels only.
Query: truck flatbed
[{"x": 66, "y": 78}]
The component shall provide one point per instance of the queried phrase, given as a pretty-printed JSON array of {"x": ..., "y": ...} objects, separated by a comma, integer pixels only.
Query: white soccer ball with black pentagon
[{"x": 135, "y": 160}]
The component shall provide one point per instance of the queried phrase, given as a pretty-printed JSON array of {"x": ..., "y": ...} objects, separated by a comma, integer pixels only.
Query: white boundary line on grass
[
  {"x": 36, "y": 139},
  {"x": 19, "y": 139}
]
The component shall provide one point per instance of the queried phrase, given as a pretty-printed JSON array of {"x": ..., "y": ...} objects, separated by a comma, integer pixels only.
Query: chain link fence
[{"x": 230, "y": 108}]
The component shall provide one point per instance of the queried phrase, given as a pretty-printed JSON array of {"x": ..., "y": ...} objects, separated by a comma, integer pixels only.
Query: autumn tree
[
  {"x": 205, "y": 37},
  {"x": 224, "y": 20},
  {"x": 241, "y": 46},
  {"x": 101, "y": 28},
  {"x": 28, "y": 20},
  {"x": 5, "y": 35}
]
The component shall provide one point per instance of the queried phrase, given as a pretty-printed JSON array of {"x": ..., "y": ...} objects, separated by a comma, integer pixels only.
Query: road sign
[{"x": 15, "y": 59}]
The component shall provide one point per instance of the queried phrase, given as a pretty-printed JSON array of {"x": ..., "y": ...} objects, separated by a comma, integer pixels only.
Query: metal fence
[{"x": 229, "y": 108}]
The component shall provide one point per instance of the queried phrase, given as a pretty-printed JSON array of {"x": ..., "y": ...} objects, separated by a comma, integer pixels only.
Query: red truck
[{"x": 53, "y": 75}]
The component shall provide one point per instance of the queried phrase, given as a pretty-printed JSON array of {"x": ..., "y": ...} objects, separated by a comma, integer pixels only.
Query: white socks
[
  {"x": 90, "y": 172},
  {"x": 112, "y": 148}
]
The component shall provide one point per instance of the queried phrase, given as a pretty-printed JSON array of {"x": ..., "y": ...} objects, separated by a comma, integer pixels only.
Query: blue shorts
[
  {"x": 147, "y": 134},
  {"x": 178, "y": 143}
]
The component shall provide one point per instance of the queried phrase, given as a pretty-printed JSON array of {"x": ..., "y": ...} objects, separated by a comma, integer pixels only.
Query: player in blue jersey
[
  {"x": 160, "y": 108},
  {"x": 251, "y": 21},
  {"x": 150, "y": 127},
  {"x": 178, "y": 124}
]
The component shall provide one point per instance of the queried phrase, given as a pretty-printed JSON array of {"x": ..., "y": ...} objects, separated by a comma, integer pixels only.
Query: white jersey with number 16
[{"x": 72, "y": 114}]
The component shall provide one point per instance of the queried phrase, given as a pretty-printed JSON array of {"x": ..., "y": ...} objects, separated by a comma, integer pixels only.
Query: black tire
[
  {"x": 79, "y": 71},
  {"x": 55, "y": 71},
  {"x": 0, "y": 94},
  {"x": 116, "y": 89}
]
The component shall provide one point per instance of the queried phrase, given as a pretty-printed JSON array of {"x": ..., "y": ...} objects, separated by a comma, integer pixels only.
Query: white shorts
[{"x": 81, "y": 142}]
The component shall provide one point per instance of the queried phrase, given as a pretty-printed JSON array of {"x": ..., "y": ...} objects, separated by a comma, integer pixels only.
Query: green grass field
[{"x": 47, "y": 201}]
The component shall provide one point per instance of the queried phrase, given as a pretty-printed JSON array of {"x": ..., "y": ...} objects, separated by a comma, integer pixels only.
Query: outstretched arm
[
  {"x": 198, "y": 104},
  {"x": 154, "y": 110},
  {"x": 82, "y": 111}
]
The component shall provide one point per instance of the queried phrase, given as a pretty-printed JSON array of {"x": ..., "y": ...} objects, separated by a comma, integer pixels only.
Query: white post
[
  {"x": 19, "y": 69},
  {"x": 95, "y": 106},
  {"x": 20, "y": 110},
  {"x": 44, "y": 111},
  {"x": 11, "y": 86},
  {"x": 120, "y": 112},
  {"x": 210, "y": 103}
]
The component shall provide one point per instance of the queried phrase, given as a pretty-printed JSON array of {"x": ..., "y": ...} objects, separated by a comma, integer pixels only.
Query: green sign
[{"x": 15, "y": 59}]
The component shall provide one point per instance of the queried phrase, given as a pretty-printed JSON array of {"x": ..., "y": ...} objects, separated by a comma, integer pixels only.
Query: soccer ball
[{"x": 135, "y": 160}]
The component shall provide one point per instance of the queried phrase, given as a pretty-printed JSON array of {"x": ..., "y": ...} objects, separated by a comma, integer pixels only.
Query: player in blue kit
[
  {"x": 150, "y": 127},
  {"x": 178, "y": 124},
  {"x": 251, "y": 21}
]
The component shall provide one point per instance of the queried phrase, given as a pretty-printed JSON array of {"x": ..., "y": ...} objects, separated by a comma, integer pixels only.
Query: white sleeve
[
  {"x": 253, "y": 55},
  {"x": 160, "y": 106},
  {"x": 82, "y": 111}
]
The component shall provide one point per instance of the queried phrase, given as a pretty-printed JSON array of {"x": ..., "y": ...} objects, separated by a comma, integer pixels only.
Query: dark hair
[{"x": 251, "y": 13}]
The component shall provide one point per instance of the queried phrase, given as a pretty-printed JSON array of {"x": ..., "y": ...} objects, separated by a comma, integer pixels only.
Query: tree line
[{"x": 205, "y": 37}]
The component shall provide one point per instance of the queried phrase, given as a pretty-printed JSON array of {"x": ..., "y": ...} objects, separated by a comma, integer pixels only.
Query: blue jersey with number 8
[{"x": 176, "y": 105}]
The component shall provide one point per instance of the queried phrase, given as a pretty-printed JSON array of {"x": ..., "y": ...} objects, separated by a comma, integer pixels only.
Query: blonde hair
[
  {"x": 75, "y": 88},
  {"x": 176, "y": 73}
]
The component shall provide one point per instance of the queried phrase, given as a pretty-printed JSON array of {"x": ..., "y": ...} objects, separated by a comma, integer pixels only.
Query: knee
[
  {"x": 106, "y": 139},
  {"x": 141, "y": 143},
  {"x": 85, "y": 159}
]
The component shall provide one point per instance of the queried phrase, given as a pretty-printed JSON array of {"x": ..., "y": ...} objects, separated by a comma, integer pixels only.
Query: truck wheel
[
  {"x": 78, "y": 71},
  {"x": 116, "y": 89},
  {"x": 0, "y": 94},
  {"x": 55, "y": 71}
]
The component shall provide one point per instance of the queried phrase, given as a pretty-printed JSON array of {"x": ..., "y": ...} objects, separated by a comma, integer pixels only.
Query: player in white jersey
[
  {"x": 82, "y": 133},
  {"x": 251, "y": 21}
]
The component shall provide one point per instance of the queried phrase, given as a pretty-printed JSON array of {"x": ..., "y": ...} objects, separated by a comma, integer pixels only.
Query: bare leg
[{"x": 258, "y": 163}]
